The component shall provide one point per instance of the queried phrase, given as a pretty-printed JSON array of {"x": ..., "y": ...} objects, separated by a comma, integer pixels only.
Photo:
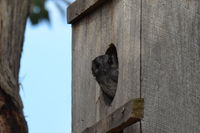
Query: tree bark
[{"x": 13, "y": 14}]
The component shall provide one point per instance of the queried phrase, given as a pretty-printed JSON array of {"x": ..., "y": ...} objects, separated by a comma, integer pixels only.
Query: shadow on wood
[{"x": 126, "y": 115}]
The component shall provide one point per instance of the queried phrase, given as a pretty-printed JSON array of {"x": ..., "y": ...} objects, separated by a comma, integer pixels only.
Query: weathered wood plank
[
  {"x": 128, "y": 114},
  {"x": 85, "y": 42},
  {"x": 124, "y": 33},
  {"x": 80, "y": 8},
  {"x": 171, "y": 66},
  {"x": 114, "y": 22}
]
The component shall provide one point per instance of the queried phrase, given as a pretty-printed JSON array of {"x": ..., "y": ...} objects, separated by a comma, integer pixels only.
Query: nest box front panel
[{"x": 113, "y": 23}]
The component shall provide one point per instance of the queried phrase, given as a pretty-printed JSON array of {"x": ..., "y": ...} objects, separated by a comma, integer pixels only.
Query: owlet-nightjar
[{"x": 105, "y": 70}]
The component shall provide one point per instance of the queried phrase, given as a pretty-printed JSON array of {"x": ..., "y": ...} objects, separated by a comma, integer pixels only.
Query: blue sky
[{"x": 45, "y": 75}]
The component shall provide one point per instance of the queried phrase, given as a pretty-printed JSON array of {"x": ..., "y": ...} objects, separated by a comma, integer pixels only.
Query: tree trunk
[{"x": 13, "y": 14}]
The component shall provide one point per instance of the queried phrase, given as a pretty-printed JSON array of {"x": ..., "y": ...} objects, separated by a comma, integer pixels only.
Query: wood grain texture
[
  {"x": 13, "y": 15},
  {"x": 116, "y": 122},
  {"x": 80, "y": 8},
  {"x": 168, "y": 49},
  {"x": 171, "y": 66},
  {"x": 117, "y": 22}
]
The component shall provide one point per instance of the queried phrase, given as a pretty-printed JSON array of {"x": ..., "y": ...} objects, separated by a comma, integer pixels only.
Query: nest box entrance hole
[{"x": 105, "y": 70}]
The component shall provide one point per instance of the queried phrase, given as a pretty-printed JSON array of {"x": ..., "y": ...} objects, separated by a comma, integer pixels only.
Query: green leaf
[{"x": 38, "y": 12}]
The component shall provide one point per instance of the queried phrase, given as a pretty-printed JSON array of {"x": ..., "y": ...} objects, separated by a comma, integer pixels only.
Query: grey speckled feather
[{"x": 105, "y": 70}]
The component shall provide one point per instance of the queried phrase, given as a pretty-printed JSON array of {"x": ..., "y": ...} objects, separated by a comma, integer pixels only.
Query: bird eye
[{"x": 97, "y": 65}]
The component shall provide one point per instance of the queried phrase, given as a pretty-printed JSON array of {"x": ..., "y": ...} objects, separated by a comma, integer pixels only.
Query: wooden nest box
[{"x": 158, "y": 61}]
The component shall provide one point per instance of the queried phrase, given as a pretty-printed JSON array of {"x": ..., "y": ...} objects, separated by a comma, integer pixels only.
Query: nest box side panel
[{"x": 171, "y": 66}]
